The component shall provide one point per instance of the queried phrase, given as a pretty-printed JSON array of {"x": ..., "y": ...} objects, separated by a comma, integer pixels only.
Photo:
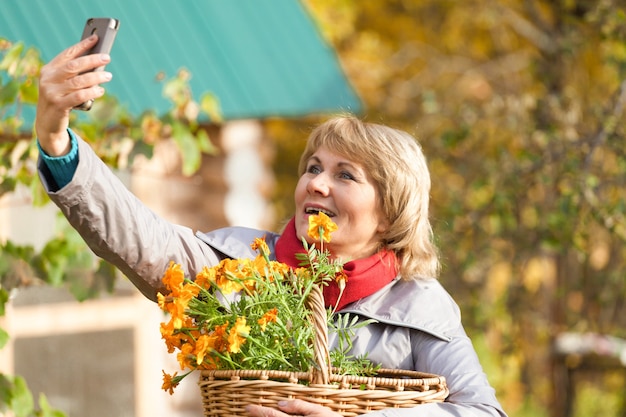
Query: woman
[{"x": 371, "y": 180}]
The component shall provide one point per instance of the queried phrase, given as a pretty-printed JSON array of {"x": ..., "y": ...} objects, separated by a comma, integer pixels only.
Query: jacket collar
[
  {"x": 421, "y": 304},
  {"x": 234, "y": 242}
]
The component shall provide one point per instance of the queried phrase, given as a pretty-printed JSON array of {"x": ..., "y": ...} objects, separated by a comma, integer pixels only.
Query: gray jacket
[{"x": 418, "y": 325}]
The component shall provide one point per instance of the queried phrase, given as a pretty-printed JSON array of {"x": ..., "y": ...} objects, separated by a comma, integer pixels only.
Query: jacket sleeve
[
  {"x": 470, "y": 392},
  {"x": 419, "y": 327},
  {"x": 122, "y": 230}
]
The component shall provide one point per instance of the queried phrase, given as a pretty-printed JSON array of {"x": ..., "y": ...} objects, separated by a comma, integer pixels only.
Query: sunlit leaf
[
  {"x": 46, "y": 409},
  {"x": 22, "y": 400},
  {"x": 4, "y": 294},
  {"x": 11, "y": 58},
  {"x": 204, "y": 142},
  {"x": 210, "y": 104},
  {"x": 8, "y": 92},
  {"x": 29, "y": 92},
  {"x": 4, "y": 336},
  {"x": 188, "y": 147}
]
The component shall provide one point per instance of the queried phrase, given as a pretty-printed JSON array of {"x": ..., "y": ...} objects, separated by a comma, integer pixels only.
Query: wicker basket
[{"x": 227, "y": 392}]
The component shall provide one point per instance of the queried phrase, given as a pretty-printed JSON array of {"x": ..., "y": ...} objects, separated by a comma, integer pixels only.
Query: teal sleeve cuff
[{"x": 63, "y": 167}]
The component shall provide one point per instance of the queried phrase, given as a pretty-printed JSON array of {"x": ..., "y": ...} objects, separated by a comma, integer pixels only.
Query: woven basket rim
[{"x": 388, "y": 378}]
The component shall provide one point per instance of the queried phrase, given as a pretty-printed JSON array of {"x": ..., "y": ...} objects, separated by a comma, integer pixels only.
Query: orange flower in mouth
[{"x": 321, "y": 227}]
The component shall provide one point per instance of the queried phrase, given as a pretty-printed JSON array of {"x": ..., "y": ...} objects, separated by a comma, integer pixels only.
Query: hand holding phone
[{"x": 106, "y": 28}]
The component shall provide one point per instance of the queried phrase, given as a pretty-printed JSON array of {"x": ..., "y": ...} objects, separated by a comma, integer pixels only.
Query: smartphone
[{"x": 106, "y": 28}]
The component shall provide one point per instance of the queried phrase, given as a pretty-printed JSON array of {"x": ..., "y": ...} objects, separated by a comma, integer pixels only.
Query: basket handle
[{"x": 315, "y": 303}]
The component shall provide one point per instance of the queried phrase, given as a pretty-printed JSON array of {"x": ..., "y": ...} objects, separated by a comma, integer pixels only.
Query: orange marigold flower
[
  {"x": 302, "y": 272},
  {"x": 206, "y": 277},
  {"x": 210, "y": 362},
  {"x": 227, "y": 285},
  {"x": 203, "y": 345},
  {"x": 238, "y": 335},
  {"x": 163, "y": 300},
  {"x": 219, "y": 333},
  {"x": 177, "y": 311},
  {"x": 279, "y": 268},
  {"x": 187, "y": 293},
  {"x": 321, "y": 224},
  {"x": 269, "y": 317},
  {"x": 341, "y": 279},
  {"x": 233, "y": 267},
  {"x": 172, "y": 339},
  {"x": 170, "y": 382},
  {"x": 260, "y": 245},
  {"x": 174, "y": 277},
  {"x": 257, "y": 266},
  {"x": 186, "y": 358}
]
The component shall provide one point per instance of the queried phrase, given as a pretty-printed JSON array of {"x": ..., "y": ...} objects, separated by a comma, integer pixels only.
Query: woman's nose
[{"x": 319, "y": 184}]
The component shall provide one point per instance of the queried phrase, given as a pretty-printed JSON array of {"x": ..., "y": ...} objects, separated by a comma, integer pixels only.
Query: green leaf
[
  {"x": 106, "y": 275},
  {"x": 11, "y": 58},
  {"x": 22, "y": 402},
  {"x": 46, "y": 410},
  {"x": 204, "y": 142},
  {"x": 188, "y": 147},
  {"x": 176, "y": 90},
  {"x": 84, "y": 282},
  {"x": 29, "y": 92},
  {"x": 210, "y": 104},
  {"x": 7, "y": 184},
  {"x": 53, "y": 260},
  {"x": 4, "y": 337},
  {"x": 141, "y": 148},
  {"x": 4, "y": 295},
  {"x": 6, "y": 386},
  {"x": 8, "y": 92},
  {"x": 40, "y": 197}
]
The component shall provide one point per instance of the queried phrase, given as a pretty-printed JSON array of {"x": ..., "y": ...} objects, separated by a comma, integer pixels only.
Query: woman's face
[{"x": 343, "y": 190}]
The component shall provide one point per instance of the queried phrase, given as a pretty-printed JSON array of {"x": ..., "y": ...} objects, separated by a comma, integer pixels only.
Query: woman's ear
[{"x": 383, "y": 225}]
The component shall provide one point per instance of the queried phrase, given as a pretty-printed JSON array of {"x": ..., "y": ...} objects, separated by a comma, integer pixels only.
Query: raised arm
[{"x": 111, "y": 220}]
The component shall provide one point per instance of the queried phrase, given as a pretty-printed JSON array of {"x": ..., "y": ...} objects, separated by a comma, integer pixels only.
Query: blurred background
[{"x": 519, "y": 106}]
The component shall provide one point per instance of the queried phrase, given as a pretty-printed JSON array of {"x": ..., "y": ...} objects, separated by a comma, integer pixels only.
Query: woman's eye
[
  {"x": 313, "y": 169},
  {"x": 346, "y": 175}
]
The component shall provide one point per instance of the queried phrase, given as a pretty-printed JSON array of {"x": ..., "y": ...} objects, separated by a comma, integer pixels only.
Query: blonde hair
[{"x": 397, "y": 166}]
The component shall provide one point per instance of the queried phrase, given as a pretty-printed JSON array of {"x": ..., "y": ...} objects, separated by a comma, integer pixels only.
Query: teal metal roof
[{"x": 261, "y": 58}]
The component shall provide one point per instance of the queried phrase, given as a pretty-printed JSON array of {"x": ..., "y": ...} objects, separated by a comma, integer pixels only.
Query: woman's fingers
[
  {"x": 64, "y": 83},
  {"x": 259, "y": 411},
  {"x": 304, "y": 408},
  {"x": 292, "y": 408},
  {"x": 75, "y": 50},
  {"x": 68, "y": 80}
]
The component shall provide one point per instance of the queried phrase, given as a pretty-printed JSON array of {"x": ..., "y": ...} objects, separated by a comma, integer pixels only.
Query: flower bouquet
[{"x": 257, "y": 331}]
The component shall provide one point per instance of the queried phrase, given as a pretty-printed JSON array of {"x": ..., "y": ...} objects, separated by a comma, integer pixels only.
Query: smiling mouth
[{"x": 315, "y": 210}]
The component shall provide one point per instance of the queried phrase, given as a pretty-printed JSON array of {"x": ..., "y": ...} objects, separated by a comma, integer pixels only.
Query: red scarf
[{"x": 365, "y": 276}]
